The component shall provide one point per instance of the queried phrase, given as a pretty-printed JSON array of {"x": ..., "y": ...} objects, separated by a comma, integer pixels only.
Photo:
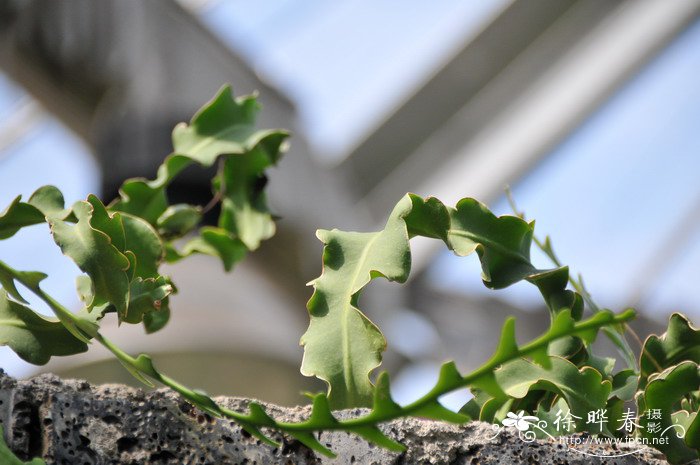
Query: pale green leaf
[
  {"x": 503, "y": 243},
  {"x": 92, "y": 250},
  {"x": 145, "y": 243},
  {"x": 223, "y": 126},
  {"x": 436, "y": 411},
  {"x": 341, "y": 345},
  {"x": 44, "y": 202},
  {"x": 244, "y": 211},
  {"x": 178, "y": 220},
  {"x": 49, "y": 201}
]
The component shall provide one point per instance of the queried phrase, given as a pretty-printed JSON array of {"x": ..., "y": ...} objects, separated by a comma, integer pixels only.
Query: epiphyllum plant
[{"x": 121, "y": 245}]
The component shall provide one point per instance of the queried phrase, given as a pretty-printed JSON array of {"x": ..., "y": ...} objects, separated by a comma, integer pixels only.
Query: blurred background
[{"x": 588, "y": 109}]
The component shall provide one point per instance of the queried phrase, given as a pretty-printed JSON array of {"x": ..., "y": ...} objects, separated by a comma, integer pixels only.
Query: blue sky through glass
[
  {"x": 48, "y": 154},
  {"x": 346, "y": 64},
  {"x": 614, "y": 191}
]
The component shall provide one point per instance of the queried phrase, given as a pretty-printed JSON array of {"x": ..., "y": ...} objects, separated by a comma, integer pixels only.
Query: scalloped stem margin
[
  {"x": 450, "y": 380},
  {"x": 342, "y": 346},
  {"x": 384, "y": 408}
]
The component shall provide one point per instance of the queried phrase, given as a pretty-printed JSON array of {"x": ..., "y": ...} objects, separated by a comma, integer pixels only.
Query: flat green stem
[
  {"x": 370, "y": 419},
  {"x": 465, "y": 381},
  {"x": 617, "y": 337},
  {"x": 72, "y": 323}
]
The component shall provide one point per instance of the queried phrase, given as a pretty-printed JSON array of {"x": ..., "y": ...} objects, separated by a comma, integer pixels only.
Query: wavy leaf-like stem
[
  {"x": 342, "y": 346},
  {"x": 485, "y": 370},
  {"x": 82, "y": 329},
  {"x": 617, "y": 335},
  {"x": 384, "y": 408}
]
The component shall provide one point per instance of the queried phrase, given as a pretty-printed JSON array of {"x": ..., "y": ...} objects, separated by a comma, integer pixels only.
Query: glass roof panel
[
  {"x": 346, "y": 64},
  {"x": 620, "y": 196},
  {"x": 45, "y": 153}
]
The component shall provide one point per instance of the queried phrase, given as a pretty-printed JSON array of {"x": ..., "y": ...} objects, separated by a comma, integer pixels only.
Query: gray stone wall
[{"x": 71, "y": 422}]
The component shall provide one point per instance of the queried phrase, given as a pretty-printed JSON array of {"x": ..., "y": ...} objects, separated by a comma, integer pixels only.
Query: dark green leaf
[
  {"x": 258, "y": 416},
  {"x": 35, "y": 338},
  {"x": 226, "y": 126},
  {"x": 552, "y": 286},
  {"x": 215, "y": 242},
  {"x": 146, "y": 296},
  {"x": 321, "y": 411},
  {"x": 47, "y": 201},
  {"x": 503, "y": 243},
  {"x": 147, "y": 199},
  {"x": 17, "y": 216},
  {"x": 605, "y": 366},
  {"x": 244, "y": 211},
  {"x": 7, "y": 281},
  {"x": 680, "y": 342},
  {"x": 137, "y": 374},
  {"x": 662, "y": 392},
  {"x": 178, "y": 220},
  {"x": 223, "y": 127},
  {"x": 474, "y": 406},
  {"x": 155, "y": 321},
  {"x": 110, "y": 224},
  {"x": 428, "y": 218},
  {"x": 507, "y": 345},
  {"x": 383, "y": 404},
  {"x": 692, "y": 428},
  {"x": 625, "y": 384}
]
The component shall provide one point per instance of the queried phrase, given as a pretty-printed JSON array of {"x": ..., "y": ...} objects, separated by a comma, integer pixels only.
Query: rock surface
[{"x": 71, "y": 422}]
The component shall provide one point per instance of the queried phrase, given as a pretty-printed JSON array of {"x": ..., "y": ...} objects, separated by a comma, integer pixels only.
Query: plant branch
[
  {"x": 144, "y": 366},
  {"x": 617, "y": 337},
  {"x": 219, "y": 193}
]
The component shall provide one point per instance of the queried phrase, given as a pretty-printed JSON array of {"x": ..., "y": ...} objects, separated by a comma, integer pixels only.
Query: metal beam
[
  {"x": 481, "y": 163},
  {"x": 451, "y": 87}
]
